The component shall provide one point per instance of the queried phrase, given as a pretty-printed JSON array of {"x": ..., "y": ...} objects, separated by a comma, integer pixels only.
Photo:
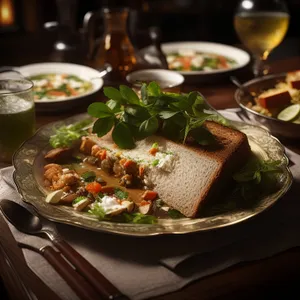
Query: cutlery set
[{"x": 85, "y": 280}]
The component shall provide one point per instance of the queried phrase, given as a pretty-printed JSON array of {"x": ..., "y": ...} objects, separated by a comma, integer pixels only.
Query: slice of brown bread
[{"x": 198, "y": 173}]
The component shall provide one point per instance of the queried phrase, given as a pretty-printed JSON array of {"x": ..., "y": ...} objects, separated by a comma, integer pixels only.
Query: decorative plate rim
[{"x": 28, "y": 188}]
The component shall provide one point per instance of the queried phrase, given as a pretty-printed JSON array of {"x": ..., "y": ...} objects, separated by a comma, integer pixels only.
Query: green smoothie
[{"x": 17, "y": 123}]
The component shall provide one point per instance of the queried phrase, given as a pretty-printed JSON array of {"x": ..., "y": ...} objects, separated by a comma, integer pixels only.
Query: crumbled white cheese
[
  {"x": 197, "y": 61},
  {"x": 166, "y": 161},
  {"x": 186, "y": 52},
  {"x": 57, "y": 81},
  {"x": 207, "y": 68},
  {"x": 176, "y": 64},
  {"x": 75, "y": 84},
  {"x": 110, "y": 204},
  {"x": 170, "y": 58},
  {"x": 40, "y": 83}
]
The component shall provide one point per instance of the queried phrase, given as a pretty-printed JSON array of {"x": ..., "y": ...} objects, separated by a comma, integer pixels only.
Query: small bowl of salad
[{"x": 56, "y": 86}]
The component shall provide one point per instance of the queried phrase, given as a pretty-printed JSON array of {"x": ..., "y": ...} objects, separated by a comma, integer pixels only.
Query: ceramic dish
[
  {"x": 83, "y": 72},
  {"x": 281, "y": 129},
  {"x": 241, "y": 57},
  {"x": 29, "y": 161},
  {"x": 165, "y": 78}
]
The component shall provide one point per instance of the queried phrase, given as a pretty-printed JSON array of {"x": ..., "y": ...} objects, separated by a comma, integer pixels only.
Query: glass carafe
[{"x": 115, "y": 47}]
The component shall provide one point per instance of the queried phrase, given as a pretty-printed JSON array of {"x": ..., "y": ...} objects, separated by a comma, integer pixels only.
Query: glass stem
[{"x": 259, "y": 66}]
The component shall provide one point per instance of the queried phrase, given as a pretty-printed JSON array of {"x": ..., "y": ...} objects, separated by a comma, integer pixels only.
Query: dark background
[{"x": 179, "y": 20}]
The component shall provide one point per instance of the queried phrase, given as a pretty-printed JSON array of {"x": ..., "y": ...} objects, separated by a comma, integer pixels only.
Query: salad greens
[
  {"x": 175, "y": 116},
  {"x": 257, "y": 176},
  {"x": 65, "y": 135},
  {"x": 134, "y": 218}
]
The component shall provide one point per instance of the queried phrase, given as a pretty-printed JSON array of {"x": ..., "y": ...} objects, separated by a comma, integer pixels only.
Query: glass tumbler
[{"x": 17, "y": 114}]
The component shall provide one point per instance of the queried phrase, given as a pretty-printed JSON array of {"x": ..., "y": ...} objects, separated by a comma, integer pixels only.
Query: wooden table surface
[{"x": 280, "y": 273}]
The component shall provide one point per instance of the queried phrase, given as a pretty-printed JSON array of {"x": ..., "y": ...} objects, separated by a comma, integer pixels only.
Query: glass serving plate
[{"x": 28, "y": 161}]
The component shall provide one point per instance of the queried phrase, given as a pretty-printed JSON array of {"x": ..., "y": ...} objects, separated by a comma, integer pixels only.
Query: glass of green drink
[{"x": 17, "y": 114}]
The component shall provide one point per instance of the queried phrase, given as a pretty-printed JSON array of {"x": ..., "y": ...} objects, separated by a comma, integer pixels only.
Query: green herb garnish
[
  {"x": 88, "y": 176},
  {"x": 155, "y": 162},
  {"x": 175, "y": 214},
  {"x": 175, "y": 116},
  {"x": 257, "y": 177},
  {"x": 98, "y": 211},
  {"x": 138, "y": 218},
  {"x": 159, "y": 203},
  {"x": 120, "y": 193},
  {"x": 254, "y": 169},
  {"x": 65, "y": 135},
  {"x": 78, "y": 199}
]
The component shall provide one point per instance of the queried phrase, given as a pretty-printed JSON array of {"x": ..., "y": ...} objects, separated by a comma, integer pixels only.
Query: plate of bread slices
[
  {"x": 275, "y": 103},
  {"x": 159, "y": 163}
]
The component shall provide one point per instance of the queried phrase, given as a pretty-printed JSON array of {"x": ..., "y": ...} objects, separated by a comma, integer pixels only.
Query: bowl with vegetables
[
  {"x": 273, "y": 102},
  {"x": 201, "y": 61},
  {"x": 59, "y": 85}
]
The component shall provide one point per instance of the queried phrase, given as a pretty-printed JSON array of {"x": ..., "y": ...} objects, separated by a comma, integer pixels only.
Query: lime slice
[
  {"x": 289, "y": 113},
  {"x": 297, "y": 121}
]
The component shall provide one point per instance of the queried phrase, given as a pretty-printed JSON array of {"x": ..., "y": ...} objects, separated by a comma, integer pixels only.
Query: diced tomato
[
  {"x": 144, "y": 202},
  {"x": 122, "y": 161},
  {"x": 141, "y": 171},
  {"x": 102, "y": 154},
  {"x": 153, "y": 151},
  {"x": 149, "y": 195},
  {"x": 187, "y": 63},
  {"x": 223, "y": 62},
  {"x": 72, "y": 91},
  {"x": 94, "y": 187},
  {"x": 56, "y": 93},
  {"x": 129, "y": 163}
]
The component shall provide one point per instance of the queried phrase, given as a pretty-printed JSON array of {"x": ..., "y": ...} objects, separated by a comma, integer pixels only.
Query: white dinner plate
[
  {"x": 83, "y": 72},
  {"x": 240, "y": 56}
]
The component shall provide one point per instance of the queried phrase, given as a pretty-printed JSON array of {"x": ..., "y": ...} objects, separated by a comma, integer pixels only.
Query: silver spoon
[
  {"x": 27, "y": 222},
  {"x": 243, "y": 88}
]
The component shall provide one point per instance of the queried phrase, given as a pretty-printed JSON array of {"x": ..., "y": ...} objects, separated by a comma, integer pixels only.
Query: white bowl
[
  {"x": 240, "y": 56},
  {"x": 83, "y": 72},
  {"x": 165, "y": 78}
]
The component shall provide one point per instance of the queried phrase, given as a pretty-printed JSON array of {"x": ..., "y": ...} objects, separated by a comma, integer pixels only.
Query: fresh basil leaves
[{"x": 176, "y": 116}]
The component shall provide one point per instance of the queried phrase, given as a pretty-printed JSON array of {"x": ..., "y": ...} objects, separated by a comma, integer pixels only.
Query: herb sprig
[
  {"x": 64, "y": 136},
  {"x": 257, "y": 176},
  {"x": 175, "y": 116}
]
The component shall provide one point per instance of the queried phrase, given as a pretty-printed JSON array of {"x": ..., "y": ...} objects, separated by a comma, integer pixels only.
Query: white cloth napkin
[{"x": 146, "y": 267}]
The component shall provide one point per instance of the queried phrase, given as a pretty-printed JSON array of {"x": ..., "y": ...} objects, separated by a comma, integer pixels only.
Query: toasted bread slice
[{"x": 197, "y": 174}]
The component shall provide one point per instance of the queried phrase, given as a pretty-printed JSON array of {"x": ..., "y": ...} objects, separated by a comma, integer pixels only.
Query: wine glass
[{"x": 261, "y": 26}]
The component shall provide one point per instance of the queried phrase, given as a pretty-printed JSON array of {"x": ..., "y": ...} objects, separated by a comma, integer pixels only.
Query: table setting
[{"x": 88, "y": 206}]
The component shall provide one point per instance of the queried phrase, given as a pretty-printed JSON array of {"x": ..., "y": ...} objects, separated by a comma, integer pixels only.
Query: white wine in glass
[{"x": 261, "y": 28}]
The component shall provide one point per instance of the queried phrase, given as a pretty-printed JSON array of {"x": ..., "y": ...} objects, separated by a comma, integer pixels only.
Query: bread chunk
[
  {"x": 197, "y": 174},
  {"x": 274, "y": 99},
  {"x": 293, "y": 78}
]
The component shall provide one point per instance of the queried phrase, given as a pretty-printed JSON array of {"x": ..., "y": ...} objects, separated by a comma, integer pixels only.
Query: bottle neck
[{"x": 116, "y": 22}]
